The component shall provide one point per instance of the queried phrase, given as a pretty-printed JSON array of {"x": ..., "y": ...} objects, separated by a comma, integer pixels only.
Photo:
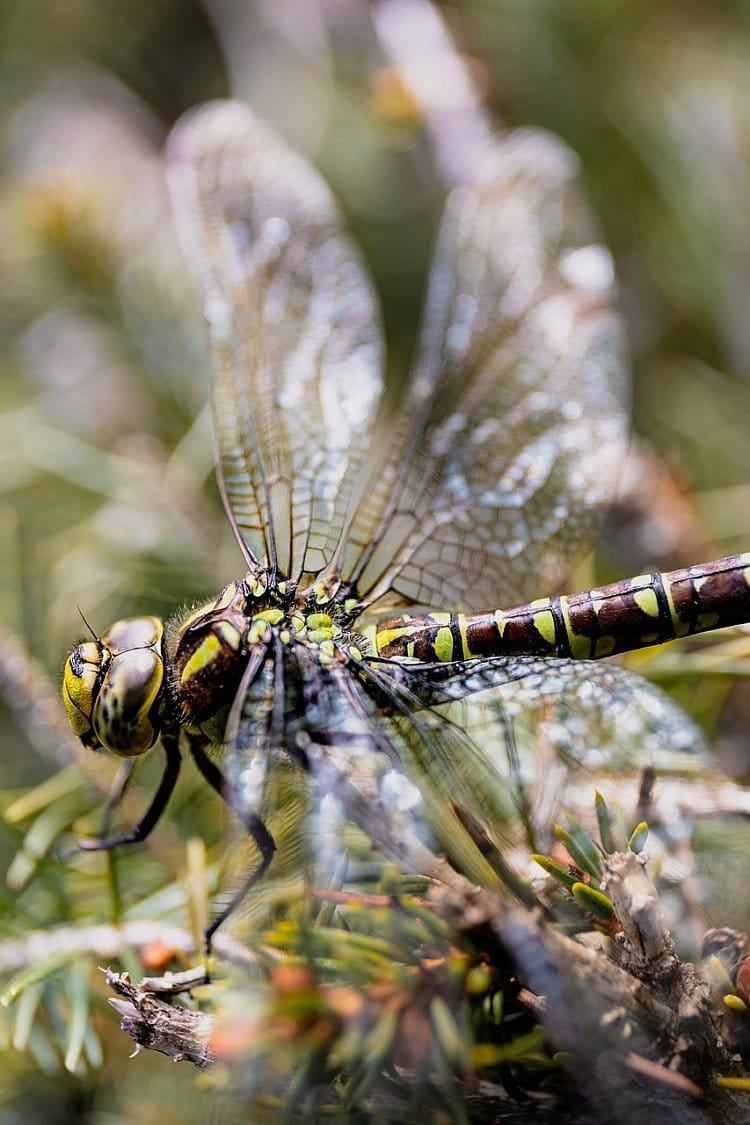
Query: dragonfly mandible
[{"x": 375, "y": 542}]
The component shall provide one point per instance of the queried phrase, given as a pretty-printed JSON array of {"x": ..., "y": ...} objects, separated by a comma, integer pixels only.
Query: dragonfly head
[{"x": 112, "y": 687}]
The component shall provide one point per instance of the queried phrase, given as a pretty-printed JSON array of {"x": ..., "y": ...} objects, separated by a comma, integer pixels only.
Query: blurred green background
[{"x": 107, "y": 497}]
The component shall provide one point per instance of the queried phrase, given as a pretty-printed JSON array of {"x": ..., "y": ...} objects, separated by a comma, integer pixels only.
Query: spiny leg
[
  {"x": 153, "y": 813},
  {"x": 254, "y": 826}
]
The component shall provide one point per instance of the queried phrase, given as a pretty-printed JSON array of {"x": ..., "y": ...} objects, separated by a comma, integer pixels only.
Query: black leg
[
  {"x": 252, "y": 823},
  {"x": 152, "y": 813}
]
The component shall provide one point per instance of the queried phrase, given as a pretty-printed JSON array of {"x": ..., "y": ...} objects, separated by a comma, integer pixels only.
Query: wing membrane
[
  {"x": 554, "y": 730},
  {"x": 515, "y": 420},
  {"x": 295, "y": 334},
  {"x": 393, "y": 768}
]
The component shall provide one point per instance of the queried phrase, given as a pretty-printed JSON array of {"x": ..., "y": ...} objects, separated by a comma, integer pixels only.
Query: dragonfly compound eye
[
  {"x": 111, "y": 687},
  {"x": 81, "y": 683}
]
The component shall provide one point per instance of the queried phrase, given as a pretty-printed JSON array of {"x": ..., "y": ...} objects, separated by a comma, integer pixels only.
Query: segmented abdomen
[{"x": 635, "y": 613}]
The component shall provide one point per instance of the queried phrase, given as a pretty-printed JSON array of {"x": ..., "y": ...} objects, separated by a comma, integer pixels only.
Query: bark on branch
[{"x": 645, "y": 1033}]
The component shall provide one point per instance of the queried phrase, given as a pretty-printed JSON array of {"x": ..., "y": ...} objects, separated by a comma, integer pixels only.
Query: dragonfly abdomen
[{"x": 631, "y": 614}]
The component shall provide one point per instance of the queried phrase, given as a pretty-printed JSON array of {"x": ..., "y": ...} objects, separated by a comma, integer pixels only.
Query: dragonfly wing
[
  {"x": 435, "y": 772},
  {"x": 388, "y": 775},
  {"x": 555, "y": 730},
  {"x": 393, "y": 768},
  {"x": 295, "y": 334},
  {"x": 515, "y": 420}
]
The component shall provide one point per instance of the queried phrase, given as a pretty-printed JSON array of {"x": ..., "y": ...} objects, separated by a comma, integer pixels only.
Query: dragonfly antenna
[{"x": 83, "y": 619}]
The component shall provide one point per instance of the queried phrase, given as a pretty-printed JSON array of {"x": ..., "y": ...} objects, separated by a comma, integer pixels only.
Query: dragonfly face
[
  {"x": 112, "y": 687},
  {"x": 481, "y": 487}
]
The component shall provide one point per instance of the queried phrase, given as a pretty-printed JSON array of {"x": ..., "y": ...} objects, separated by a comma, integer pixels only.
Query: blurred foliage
[{"x": 107, "y": 497}]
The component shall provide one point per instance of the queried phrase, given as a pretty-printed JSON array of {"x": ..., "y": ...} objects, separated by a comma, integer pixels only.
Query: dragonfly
[{"x": 360, "y": 649}]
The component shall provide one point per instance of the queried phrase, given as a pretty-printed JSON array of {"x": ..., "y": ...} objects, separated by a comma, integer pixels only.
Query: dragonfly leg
[
  {"x": 254, "y": 826},
  {"x": 152, "y": 813},
  {"x": 116, "y": 794}
]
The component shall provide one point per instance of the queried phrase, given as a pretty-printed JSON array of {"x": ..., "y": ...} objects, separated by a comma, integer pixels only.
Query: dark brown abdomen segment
[{"x": 631, "y": 614}]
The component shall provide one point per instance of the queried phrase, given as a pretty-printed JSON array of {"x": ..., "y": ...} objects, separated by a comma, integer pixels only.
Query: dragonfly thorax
[{"x": 209, "y": 649}]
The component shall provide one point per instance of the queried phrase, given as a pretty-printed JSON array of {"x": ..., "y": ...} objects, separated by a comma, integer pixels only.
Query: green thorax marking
[{"x": 210, "y": 646}]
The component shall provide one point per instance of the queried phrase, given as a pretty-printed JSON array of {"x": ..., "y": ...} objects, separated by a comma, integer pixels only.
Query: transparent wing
[
  {"x": 509, "y": 437},
  {"x": 556, "y": 730},
  {"x": 294, "y": 328},
  {"x": 477, "y": 761},
  {"x": 373, "y": 757}
]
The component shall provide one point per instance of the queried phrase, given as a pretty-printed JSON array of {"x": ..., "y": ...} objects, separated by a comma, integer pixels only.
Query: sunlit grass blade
[{"x": 78, "y": 990}]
